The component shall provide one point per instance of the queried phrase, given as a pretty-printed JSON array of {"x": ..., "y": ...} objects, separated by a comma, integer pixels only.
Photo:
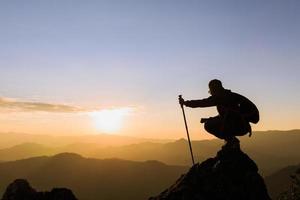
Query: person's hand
[
  {"x": 203, "y": 120},
  {"x": 181, "y": 101}
]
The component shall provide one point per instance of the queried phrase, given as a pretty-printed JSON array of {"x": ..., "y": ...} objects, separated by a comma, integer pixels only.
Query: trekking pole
[{"x": 187, "y": 131}]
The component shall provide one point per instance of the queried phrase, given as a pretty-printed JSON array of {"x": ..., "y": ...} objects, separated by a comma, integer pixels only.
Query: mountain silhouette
[
  {"x": 293, "y": 192},
  {"x": 271, "y": 150},
  {"x": 25, "y": 150},
  {"x": 21, "y": 190},
  {"x": 280, "y": 181},
  {"x": 102, "y": 140},
  {"x": 92, "y": 179},
  {"x": 231, "y": 175}
]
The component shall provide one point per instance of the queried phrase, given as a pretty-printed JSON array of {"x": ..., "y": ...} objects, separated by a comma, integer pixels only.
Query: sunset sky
[{"x": 67, "y": 66}]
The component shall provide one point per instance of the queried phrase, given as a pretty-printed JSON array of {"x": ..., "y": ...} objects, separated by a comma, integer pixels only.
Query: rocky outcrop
[
  {"x": 294, "y": 191},
  {"x": 21, "y": 190},
  {"x": 231, "y": 175}
]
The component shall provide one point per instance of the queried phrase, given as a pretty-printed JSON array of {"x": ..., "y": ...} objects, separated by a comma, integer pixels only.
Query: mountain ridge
[
  {"x": 90, "y": 178},
  {"x": 272, "y": 151},
  {"x": 280, "y": 180}
]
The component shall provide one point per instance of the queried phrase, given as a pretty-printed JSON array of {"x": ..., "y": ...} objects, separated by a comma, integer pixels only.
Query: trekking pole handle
[{"x": 180, "y": 98}]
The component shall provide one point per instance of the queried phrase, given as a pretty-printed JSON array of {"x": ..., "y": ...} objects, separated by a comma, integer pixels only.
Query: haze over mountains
[
  {"x": 109, "y": 178},
  {"x": 12, "y": 139},
  {"x": 272, "y": 150},
  {"x": 125, "y": 158}
]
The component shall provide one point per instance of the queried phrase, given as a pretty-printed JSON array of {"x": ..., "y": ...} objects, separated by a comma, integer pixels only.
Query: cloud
[{"x": 8, "y": 104}]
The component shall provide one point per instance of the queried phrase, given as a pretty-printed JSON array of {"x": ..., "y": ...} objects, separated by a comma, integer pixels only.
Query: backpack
[{"x": 249, "y": 111}]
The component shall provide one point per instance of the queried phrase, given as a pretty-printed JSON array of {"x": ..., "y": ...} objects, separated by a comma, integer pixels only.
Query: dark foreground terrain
[
  {"x": 20, "y": 189},
  {"x": 92, "y": 179},
  {"x": 231, "y": 175}
]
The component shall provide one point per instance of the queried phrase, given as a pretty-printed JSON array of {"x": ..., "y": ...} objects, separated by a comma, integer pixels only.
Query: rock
[
  {"x": 231, "y": 175},
  {"x": 21, "y": 190},
  {"x": 61, "y": 194},
  {"x": 294, "y": 191}
]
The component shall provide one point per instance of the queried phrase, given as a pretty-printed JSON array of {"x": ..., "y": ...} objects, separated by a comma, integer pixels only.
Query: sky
[{"x": 65, "y": 63}]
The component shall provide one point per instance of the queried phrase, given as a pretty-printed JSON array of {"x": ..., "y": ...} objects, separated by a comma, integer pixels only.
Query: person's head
[{"x": 215, "y": 87}]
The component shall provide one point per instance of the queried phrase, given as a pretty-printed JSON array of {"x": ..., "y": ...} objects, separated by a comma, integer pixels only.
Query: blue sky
[{"x": 144, "y": 53}]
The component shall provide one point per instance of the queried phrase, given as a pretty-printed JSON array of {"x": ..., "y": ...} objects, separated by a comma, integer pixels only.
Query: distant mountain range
[
  {"x": 272, "y": 150},
  {"x": 102, "y": 140},
  {"x": 92, "y": 179},
  {"x": 281, "y": 181}
]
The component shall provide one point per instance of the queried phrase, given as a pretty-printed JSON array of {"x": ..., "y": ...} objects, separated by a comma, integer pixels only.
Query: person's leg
[
  {"x": 213, "y": 126},
  {"x": 236, "y": 125},
  {"x": 217, "y": 127}
]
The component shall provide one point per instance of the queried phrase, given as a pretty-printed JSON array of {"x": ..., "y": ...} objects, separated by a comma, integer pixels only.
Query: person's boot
[{"x": 235, "y": 143}]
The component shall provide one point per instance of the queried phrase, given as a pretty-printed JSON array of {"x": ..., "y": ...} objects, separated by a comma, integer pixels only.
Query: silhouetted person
[{"x": 235, "y": 113}]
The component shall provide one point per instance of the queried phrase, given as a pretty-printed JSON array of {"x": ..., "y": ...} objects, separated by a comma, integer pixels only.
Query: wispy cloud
[{"x": 8, "y": 104}]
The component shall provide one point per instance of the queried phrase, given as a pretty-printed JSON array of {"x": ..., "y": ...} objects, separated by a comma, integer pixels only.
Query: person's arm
[{"x": 208, "y": 102}]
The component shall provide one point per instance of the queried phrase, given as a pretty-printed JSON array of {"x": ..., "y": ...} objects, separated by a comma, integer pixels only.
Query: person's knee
[
  {"x": 210, "y": 128},
  {"x": 213, "y": 129}
]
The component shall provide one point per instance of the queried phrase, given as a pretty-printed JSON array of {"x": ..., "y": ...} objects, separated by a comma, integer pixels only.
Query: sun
[{"x": 109, "y": 120}]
